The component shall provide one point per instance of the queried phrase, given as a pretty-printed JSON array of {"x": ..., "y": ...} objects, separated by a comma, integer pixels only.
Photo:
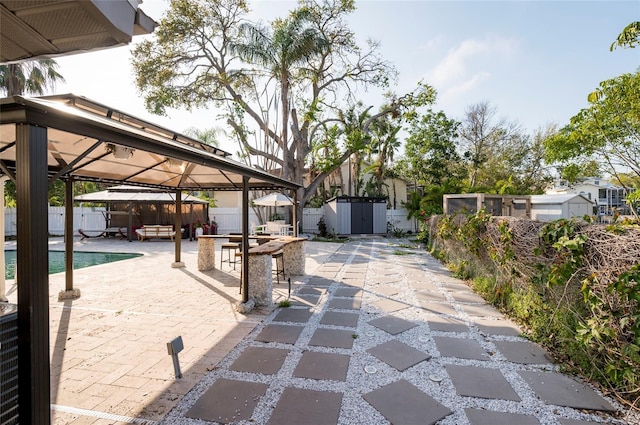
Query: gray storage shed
[
  {"x": 554, "y": 207},
  {"x": 356, "y": 215}
]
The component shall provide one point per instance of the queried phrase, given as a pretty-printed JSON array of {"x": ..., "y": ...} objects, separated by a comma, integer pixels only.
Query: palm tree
[
  {"x": 32, "y": 77},
  {"x": 209, "y": 136},
  {"x": 384, "y": 144},
  {"x": 288, "y": 44}
]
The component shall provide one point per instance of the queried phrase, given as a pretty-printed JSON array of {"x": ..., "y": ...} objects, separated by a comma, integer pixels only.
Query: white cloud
[
  {"x": 462, "y": 66},
  {"x": 431, "y": 44},
  {"x": 462, "y": 87}
]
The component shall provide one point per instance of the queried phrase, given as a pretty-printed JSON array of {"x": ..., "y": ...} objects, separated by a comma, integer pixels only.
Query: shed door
[{"x": 361, "y": 218}]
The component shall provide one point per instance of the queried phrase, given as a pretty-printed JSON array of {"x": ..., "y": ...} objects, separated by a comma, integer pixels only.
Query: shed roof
[
  {"x": 82, "y": 134},
  {"x": 557, "y": 199}
]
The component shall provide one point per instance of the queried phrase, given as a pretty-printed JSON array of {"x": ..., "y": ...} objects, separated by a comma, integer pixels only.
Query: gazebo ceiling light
[{"x": 119, "y": 152}]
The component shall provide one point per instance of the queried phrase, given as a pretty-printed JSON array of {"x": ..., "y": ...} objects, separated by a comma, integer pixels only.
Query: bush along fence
[{"x": 573, "y": 285}]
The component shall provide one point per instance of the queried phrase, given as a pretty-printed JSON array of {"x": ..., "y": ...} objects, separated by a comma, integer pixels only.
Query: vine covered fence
[{"x": 573, "y": 285}]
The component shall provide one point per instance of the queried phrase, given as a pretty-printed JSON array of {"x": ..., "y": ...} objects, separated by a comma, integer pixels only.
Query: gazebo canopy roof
[
  {"x": 83, "y": 136},
  {"x": 136, "y": 194}
]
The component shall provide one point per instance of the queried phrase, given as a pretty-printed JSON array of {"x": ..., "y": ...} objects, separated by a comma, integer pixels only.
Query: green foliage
[
  {"x": 431, "y": 149},
  {"x": 322, "y": 228},
  {"x": 56, "y": 192},
  {"x": 629, "y": 37},
  {"x": 284, "y": 304},
  {"x": 283, "y": 87},
  {"x": 607, "y": 131},
  {"x": 610, "y": 331},
  {"x": 395, "y": 231},
  {"x": 590, "y": 320}
]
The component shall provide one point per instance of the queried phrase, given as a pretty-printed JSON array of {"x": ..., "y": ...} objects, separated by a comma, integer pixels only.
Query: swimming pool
[{"x": 56, "y": 260}]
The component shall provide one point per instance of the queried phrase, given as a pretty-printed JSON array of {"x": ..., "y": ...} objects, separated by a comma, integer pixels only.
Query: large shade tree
[
  {"x": 493, "y": 148},
  {"x": 431, "y": 161},
  {"x": 281, "y": 87}
]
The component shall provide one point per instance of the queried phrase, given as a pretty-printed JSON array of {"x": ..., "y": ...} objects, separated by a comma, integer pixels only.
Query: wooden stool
[
  {"x": 229, "y": 246},
  {"x": 279, "y": 257}
]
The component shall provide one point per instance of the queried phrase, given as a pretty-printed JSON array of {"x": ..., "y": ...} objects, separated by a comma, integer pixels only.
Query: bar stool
[
  {"x": 279, "y": 257},
  {"x": 233, "y": 244}
]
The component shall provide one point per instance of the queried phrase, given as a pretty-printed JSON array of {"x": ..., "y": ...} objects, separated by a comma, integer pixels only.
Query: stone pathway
[{"x": 383, "y": 334}]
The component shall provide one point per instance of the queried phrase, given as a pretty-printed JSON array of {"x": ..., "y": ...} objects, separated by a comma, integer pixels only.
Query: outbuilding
[
  {"x": 356, "y": 215},
  {"x": 554, "y": 207}
]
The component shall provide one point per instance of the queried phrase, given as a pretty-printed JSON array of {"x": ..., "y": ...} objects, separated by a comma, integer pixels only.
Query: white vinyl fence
[
  {"x": 228, "y": 220},
  {"x": 83, "y": 218}
]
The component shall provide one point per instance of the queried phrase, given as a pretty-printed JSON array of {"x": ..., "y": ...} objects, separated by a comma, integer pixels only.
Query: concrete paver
[
  {"x": 309, "y": 407},
  {"x": 398, "y": 354},
  {"x": 483, "y": 417},
  {"x": 404, "y": 404},
  {"x": 228, "y": 401},
  {"x": 482, "y": 382},
  {"x": 393, "y": 325}
]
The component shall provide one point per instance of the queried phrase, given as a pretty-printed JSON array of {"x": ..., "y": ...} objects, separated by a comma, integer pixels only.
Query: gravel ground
[{"x": 390, "y": 263}]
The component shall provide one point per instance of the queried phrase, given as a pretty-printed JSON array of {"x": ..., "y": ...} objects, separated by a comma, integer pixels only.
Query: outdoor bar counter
[
  {"x": 260, "y": 262},
  {"x": 294, "y": 254}
]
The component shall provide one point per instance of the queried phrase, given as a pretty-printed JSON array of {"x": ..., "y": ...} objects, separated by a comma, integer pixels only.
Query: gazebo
[
  {"x": 131, "y": 207},
  {"x": 73, "y": 138}
]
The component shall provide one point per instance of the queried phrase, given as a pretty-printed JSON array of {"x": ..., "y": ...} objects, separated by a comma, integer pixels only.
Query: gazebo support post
[
  {"x": 295, "y": 213},
  {"x": 245, "y": 239},
  {"x": 69, "y": 292},
  {"x": 3, "y": 292},
  {"x": 33, "y": 272},
  {"x": 178, "y": 226}
]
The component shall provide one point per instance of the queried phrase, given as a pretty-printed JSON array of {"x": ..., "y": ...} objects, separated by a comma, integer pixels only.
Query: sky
[{"x": 533, "y": 61}]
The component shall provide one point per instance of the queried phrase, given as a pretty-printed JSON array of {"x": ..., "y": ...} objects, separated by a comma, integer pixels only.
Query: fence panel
[
  {"x": 398, "y": 219},
  {"x": 228, "y": 220},
  {"x": 83, "y": 218},
  {"x": 310, "y": 219},
  {"x": 10, "y": 222}
]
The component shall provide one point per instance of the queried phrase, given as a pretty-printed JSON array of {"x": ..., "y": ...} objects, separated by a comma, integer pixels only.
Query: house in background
[
  {"x": 341, "y": 183},
  {"x": 607, "y": 196},
  {"x": 536, "y": 207}
]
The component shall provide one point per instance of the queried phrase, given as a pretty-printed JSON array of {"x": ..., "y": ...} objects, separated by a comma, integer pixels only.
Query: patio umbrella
[{"x": 274, "y": 199}]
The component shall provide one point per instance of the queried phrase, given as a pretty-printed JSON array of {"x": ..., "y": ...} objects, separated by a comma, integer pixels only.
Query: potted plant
[
  {"x": 213, "y": 227},
  {"x": 199, "y": 229}
]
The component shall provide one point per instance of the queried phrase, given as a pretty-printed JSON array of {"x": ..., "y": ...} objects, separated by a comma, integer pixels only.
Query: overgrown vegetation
[
  {"x": 573, "y": 285},
  {"x": 284, "y": 304}
]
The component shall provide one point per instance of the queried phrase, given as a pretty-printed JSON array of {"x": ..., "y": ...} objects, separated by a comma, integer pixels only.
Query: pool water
[{"x": 56, "y": 260}]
